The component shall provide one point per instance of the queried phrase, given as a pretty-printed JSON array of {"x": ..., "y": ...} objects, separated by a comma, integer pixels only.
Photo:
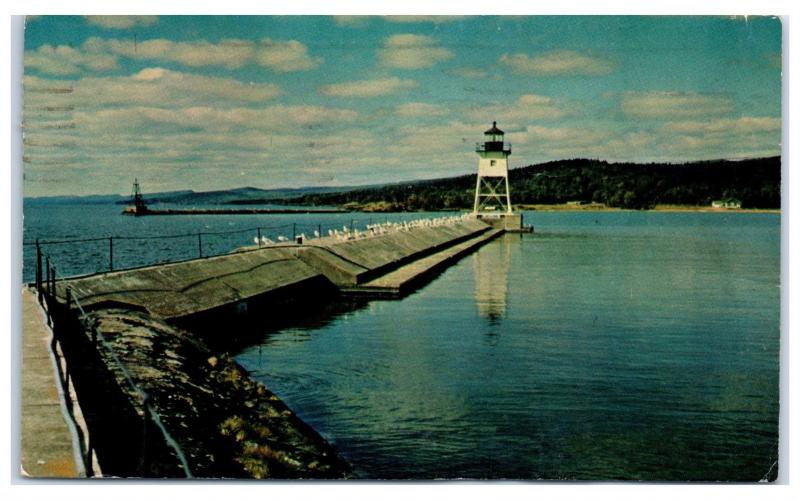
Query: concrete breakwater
[
  {"x": 161, "y": 319},
  {"x": 229, "y": 211},
  {"x": 225, "y": 424}
]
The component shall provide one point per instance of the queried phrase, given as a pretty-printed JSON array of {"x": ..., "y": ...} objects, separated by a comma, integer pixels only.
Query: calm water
[
  {"x": 178, "y": 234},
  {"x": 607, "y": 345}
]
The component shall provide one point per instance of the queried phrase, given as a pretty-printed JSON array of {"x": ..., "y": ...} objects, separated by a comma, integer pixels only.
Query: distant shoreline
[{"x": 599, "y": 207}]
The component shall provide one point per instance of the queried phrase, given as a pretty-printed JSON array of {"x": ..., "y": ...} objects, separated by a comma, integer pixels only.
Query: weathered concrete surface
[
  {"x": 46, "y": 448},
  {"x": 361, "y": 260},
  {"x": 226, "y": 424},
  {"x": 181, "y": 289},
  {"x": 511, "y": 223},
  {"x": 185, "y": 289},
  {"x": 399, "y": 281}
]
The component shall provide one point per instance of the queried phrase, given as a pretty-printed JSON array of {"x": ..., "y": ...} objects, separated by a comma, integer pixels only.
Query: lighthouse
[
  {"x": 492, "y": 192},
  {"x": 492, "y": 185}
]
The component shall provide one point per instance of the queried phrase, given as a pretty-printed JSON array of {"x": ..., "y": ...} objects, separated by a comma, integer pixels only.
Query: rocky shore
[{"x": 225, "y": 423}]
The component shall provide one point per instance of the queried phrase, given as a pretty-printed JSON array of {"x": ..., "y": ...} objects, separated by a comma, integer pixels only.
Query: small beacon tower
[
  {"x": 492, "y": 185},
  {"x": 492, "y": 194}
]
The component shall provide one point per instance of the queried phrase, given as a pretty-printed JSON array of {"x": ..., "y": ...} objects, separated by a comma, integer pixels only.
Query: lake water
[{"x": 619, "y": 345}]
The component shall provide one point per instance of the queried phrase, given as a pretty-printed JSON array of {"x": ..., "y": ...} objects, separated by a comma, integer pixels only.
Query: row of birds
[{"x": 371, "y": 230}]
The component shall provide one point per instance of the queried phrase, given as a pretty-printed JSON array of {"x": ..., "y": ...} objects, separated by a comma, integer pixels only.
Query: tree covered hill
[{"x": 755, "y": 183}]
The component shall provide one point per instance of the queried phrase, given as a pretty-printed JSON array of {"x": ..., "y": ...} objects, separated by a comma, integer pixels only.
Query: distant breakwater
[{"x": 230, "y": 211}]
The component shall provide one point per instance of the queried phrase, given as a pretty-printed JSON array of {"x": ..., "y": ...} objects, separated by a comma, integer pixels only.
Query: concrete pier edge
[
  {"x": 378, "y": 266},
  {"x": 41, "y": 411}
]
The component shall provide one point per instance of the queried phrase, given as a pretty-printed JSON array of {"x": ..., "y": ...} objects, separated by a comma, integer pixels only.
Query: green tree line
[{"x": 755, "y": 183}]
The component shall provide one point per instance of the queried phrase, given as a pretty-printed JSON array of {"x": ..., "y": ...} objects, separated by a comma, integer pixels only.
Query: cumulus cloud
[
  {"x": 467, "y": 72},
  {"x": 368, "y": 88},
  {"x": 424, "y": 19},
  {"x": 276, "y": 118},
  {"x": 351, "y": 21},
  {"x": 407, "y": 51},
  {"x": 741, "y": 125},
  {"x": 360, "y": 21},
  {"x": 150, "y": 86},
  {"x": 421, "y": 109},
  {"x": 98, "y": 54},
  {"x": 121, "y": 22},
  {"x": 64, "y": 60},
  {"x": 226, "y": 53},
  {"x": 561, "y": 62},
  {"x": 669, "y": 105},
  {"x": 285, "y": 56},
  {"x": 164, "y": 124},
  {"x": 745, "y": 136},
  {"x": 560, "y": 137},
  {"x": 524, "y": 109},
  {"x": 280, "y": 56}
]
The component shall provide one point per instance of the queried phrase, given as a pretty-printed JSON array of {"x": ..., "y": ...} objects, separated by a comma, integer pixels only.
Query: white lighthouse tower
[
  {"x": 492, "y": 193},
  {"x": 492, "y": 185}
]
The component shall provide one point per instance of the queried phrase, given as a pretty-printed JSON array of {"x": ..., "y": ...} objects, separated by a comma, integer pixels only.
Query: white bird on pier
[
  {"x": 282, "y": 238},
  {"x": 316, "y": 234}
]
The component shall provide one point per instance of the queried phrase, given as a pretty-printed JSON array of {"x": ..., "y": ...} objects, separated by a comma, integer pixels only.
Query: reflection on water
[
  {"x": 491, "y": 279},
  {"x": 644, "y": 346}
]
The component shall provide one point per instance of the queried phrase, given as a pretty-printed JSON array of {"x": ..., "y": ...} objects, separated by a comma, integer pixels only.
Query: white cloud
[
  {"x": 121, "y": 22},
  {"x": 560, "y": 136},
  {"x": 361, "y": 21},
  {"x": 424, "y": 19},
  {"x": 64, "y": 60},
  {"x": 406, "y": 51},
  {"x": 98, "y": 54},
  {"x": 421, "y": 109},
  {"x": 277, "y": 118},
  {"x": 667, "y": 105},
  {"x": 368, "y": 88},
  {"x": 226, "y": 53},
  {"x": 741, "y": 125},
  {"x": 351, "y": 21},
  {"x": 526, "y": 108},
  {"x": 285, "y": 56},
  {"x": 561, "y": 62},
  {"x": 472, "y": 73},
  {"x": 280, "y": 56},
  {"x": 150, "y": 86}
]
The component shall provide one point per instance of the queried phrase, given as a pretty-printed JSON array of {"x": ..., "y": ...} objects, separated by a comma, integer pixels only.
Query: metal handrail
[{"x": 143, "y": 395}]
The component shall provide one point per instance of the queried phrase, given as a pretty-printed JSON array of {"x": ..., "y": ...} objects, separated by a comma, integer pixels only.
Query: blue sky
[{"x": 216, "y": 102}]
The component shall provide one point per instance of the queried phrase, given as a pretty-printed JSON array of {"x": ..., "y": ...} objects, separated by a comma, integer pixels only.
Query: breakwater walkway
[
  {"x": 385, "y": 264},
  {"x": 46, "y": 437},
  {"x": 146, "y": 379}
]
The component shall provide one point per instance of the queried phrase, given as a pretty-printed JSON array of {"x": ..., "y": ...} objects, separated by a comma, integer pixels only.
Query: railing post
[
  {"x": 351, "y": 225},
  {"x": 144, "y": 464},
  {"x": 200, "y": 244},
  {"x": 39, "y": 269},
  {"x": 258, "y": 229},
  {"x": 47, "y": 270},
  {"x": 53, "y": 277},
  {"x": 89, "y": 453},
  {"x": 319, "y": 230},
  {"x": 294, "y": 232},
  {"x": 110, "y": 253}
]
